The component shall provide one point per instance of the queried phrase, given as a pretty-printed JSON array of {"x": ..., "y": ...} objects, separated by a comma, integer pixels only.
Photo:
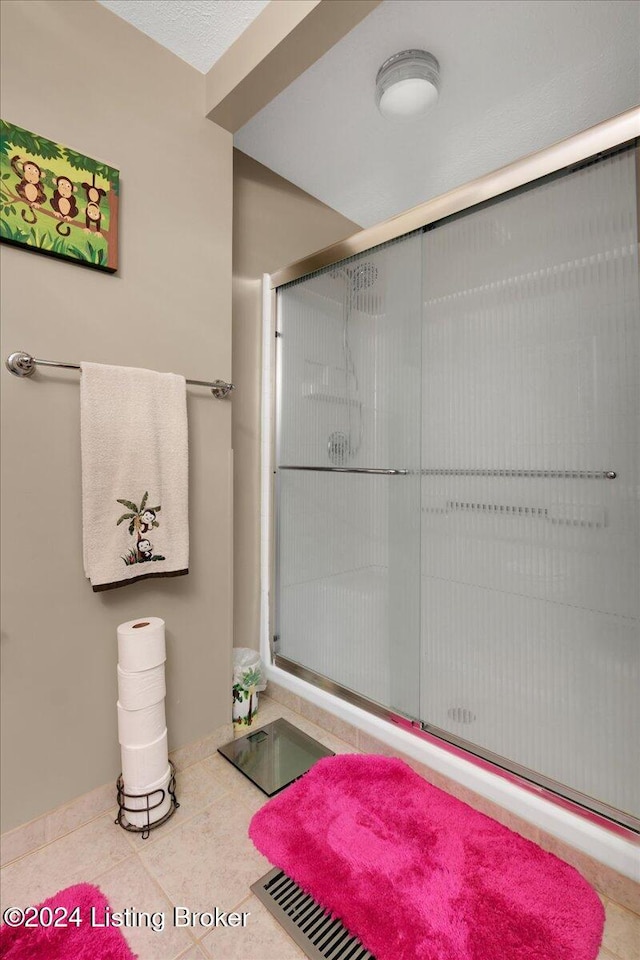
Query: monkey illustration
[
  {"x": 145, "y": 550},
  {"x": 146, "y": 520},
  {"x": 92, "y": 211},
  {"x": 29, "y": 188},
  {"x": 64, "y": 204}
]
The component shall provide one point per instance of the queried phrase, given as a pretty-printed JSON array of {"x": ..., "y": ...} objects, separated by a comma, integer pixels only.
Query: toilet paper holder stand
[{"x": 154, "y": 799}]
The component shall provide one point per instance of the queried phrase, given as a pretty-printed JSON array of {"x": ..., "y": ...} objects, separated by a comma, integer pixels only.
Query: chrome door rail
[
  {"x": 375, "y": 470},
  {"x": 454, "y": 472}
]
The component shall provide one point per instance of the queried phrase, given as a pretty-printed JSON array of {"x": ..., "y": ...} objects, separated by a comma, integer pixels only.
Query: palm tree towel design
[{"x": 142, "y": 518}]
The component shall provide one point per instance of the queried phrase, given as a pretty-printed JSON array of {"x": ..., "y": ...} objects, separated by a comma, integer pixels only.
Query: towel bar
[{"x": 22, "y": 364}]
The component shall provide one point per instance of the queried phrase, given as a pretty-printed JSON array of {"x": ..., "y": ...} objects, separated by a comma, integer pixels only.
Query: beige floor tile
[
  {"x": 262, "y": 939},
  {"x": 80, "y": 811},
  {"x": 16, "y": 843},
  {"x": 195, "y": 953},
  {"x": 196, "y": 789},
  {"x": 322, "y": 736},
  {"x": 232, "y": 781},
  {"x": 605, "y": 955},
  {"x": 621, "y": 931},
  {"x": 78, "y": 857},
  {"x": 129, "y": 885},
  {"x": 209, "y": 861}
]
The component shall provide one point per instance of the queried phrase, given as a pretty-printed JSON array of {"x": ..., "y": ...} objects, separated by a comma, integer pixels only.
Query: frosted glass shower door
[
  {"x": 347, "y": 478},
  {"x": 530, "y": 479}
]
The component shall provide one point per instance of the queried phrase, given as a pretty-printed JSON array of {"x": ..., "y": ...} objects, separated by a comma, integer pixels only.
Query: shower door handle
[{"x": 374, "y": 470}]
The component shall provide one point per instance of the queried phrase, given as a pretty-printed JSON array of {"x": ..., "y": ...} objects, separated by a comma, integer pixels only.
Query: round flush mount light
[{"x": 407, "y": 84}]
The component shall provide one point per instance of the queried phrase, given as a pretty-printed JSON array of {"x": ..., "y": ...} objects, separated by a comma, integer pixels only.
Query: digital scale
[{"x": 275, "y": 755}]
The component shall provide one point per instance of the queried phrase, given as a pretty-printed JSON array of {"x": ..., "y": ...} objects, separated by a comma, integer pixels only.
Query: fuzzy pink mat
[
  {"x": 82, "y": 942},
  {"x": 418, "y": 875}
]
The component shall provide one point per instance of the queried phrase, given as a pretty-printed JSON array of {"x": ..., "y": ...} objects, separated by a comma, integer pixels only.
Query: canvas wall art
[{"x": 57, "y": 201}]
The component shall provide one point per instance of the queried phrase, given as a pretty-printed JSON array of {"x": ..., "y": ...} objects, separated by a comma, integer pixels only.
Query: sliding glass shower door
[
  {"x": 348, "y": 484},
  {"x": 457, "y": 475},
  {"x": 530, "y": 519}
]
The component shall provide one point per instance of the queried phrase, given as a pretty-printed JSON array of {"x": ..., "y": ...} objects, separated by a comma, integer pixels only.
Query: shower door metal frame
[
  {"x": 603, "y": 137},
  {"x": 571, "y": 153}
]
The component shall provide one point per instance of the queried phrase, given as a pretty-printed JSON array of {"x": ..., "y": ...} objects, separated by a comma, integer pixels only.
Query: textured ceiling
[
  {"x": 198, "y": 31},
  {"x": 516, "y": 76}
]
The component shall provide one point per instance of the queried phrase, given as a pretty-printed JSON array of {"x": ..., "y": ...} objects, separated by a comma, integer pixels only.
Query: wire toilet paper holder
[{"x": 148, "y": 808}]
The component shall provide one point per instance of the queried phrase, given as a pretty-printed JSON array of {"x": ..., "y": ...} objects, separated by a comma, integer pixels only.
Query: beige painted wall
[
  {"x": 78, "y": 74},
  {"x": 274, "y": 223}
]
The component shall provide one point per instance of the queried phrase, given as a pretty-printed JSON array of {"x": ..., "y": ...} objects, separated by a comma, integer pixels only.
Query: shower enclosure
[{"x": 457, "y": 477}]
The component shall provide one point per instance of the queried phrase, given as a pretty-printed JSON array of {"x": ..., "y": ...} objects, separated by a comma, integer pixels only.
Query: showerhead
[{"x": 360, "y": 275}]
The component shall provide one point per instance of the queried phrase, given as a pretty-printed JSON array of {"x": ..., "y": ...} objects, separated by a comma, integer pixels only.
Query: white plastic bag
[{"x": 248, "y": 680}]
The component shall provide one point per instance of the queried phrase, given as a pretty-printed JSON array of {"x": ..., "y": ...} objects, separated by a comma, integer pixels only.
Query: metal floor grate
[{"x": 320, "y": 935}]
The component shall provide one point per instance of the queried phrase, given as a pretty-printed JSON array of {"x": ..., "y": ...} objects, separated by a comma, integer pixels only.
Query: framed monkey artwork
[{"x": 56, "y": 201}]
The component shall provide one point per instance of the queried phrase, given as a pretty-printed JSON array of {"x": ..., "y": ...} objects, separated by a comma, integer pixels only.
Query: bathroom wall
[
  {"x": 274, "y": 223},
  {"x": 76, "y": 73}
]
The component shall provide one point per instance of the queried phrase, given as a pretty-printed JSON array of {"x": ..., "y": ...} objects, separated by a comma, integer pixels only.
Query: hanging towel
[{"x": 134, "y": 474}]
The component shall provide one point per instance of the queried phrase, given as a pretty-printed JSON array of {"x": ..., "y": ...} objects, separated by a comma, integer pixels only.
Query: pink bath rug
[
  {"x": 82, "y": 908},
  {"x": 417, "y": 875}
]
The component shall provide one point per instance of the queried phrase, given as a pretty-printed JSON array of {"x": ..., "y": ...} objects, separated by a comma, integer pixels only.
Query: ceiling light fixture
[{"x": 407, "y": 84}]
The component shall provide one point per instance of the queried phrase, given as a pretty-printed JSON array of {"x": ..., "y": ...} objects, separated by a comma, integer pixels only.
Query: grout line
[
  {"x": 165, "y": 894},
  {"x": 178, "y": 824},
  {"x": 156, "y": 883}
]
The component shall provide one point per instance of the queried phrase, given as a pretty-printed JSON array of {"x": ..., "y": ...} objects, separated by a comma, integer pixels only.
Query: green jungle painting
[{"x": 55, "y": 200}]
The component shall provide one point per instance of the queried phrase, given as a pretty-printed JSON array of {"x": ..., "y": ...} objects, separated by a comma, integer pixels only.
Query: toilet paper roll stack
[{"x": 142, "y": 725}]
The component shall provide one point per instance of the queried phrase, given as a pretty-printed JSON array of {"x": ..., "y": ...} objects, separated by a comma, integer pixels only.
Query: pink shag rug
[
  {"x": 73, "y": 942},
  {"x": 418, "y": 875}
]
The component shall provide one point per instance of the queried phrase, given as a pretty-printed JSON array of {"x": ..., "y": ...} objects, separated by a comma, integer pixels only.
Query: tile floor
[{"x": 200, "y": 859}]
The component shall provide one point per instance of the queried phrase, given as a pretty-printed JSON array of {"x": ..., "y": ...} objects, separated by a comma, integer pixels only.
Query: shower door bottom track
[{"x": 579, "y": 803}]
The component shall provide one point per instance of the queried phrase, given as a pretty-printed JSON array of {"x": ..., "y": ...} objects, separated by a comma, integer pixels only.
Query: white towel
[{"x": 134, "y": 474}]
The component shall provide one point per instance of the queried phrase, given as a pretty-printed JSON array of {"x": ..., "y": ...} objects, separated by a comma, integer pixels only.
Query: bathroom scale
[{"x": 275, "y": 755}]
